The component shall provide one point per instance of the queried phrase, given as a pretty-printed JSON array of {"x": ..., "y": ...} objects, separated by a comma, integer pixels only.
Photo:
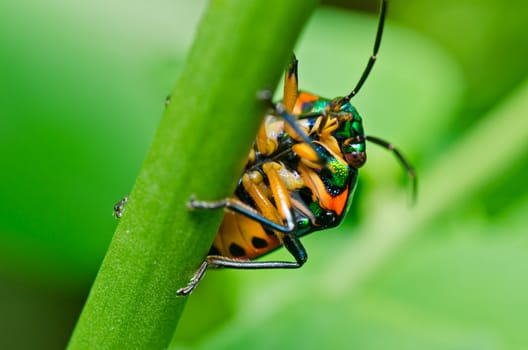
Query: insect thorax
[{"x": 321, "y": 194}]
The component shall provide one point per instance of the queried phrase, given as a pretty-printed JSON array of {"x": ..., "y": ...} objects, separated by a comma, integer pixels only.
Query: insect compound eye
[
  {"x": 354, "y": 152},
  {"x": 356, "y": 159}
]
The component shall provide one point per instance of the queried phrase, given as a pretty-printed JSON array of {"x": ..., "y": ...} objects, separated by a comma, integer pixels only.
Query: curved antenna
[
  {"x": 372, "y": 58},
  {"x": 403, "y": 161}
]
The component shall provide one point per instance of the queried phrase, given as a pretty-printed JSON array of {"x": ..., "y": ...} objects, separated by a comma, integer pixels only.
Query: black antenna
[
  {"x": 372, "y": 58},
  {"x": 403, "y": 161}
]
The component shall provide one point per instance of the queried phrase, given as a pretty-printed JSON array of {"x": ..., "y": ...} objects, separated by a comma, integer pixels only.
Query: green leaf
[{"x": 77, "y": 113}]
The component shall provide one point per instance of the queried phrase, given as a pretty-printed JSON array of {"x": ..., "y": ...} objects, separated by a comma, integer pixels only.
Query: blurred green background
[{"x": 82, "y": 86}]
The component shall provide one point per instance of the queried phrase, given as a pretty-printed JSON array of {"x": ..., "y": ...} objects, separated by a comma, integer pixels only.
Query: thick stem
[{"x": 200, "y": 148}]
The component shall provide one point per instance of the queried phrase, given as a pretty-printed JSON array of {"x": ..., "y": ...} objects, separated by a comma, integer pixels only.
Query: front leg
[
  {"x": 240, "y": 207},
  {"x": 292, "y": 127}
]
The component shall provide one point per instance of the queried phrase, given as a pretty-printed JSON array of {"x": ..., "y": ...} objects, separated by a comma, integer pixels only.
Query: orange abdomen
[{"x": 242, "y": 238}]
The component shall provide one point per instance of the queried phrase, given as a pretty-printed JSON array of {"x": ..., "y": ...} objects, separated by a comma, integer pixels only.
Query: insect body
[{"x": 285, "y": 186}]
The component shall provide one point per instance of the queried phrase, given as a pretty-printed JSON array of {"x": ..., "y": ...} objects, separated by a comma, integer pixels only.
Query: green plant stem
[{"x": 200, "y": 148}]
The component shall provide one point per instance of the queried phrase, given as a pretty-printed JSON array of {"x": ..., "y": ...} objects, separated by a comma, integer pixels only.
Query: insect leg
[
  {"x": 193, "y": 282},
  {"x": 291, "y": 85},
  {"x": 241, "y": 208},
  {"x": 280, "y": 193},
  {"x": 281, "y": 211},
  {"x": 119, "y": 207},
  {"x": 268, "y": 214},
  {"x": 292, "y": 243},
  {"x": 290, "y": 119},
  {"x": 401, "y": 159}
]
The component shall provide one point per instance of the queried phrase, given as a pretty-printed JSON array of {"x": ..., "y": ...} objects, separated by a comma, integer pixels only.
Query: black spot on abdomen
[
  {"x": 214, "y": 251},
  {"x": 259, "y": 243},
  {"x": 236, "y": 251}
]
